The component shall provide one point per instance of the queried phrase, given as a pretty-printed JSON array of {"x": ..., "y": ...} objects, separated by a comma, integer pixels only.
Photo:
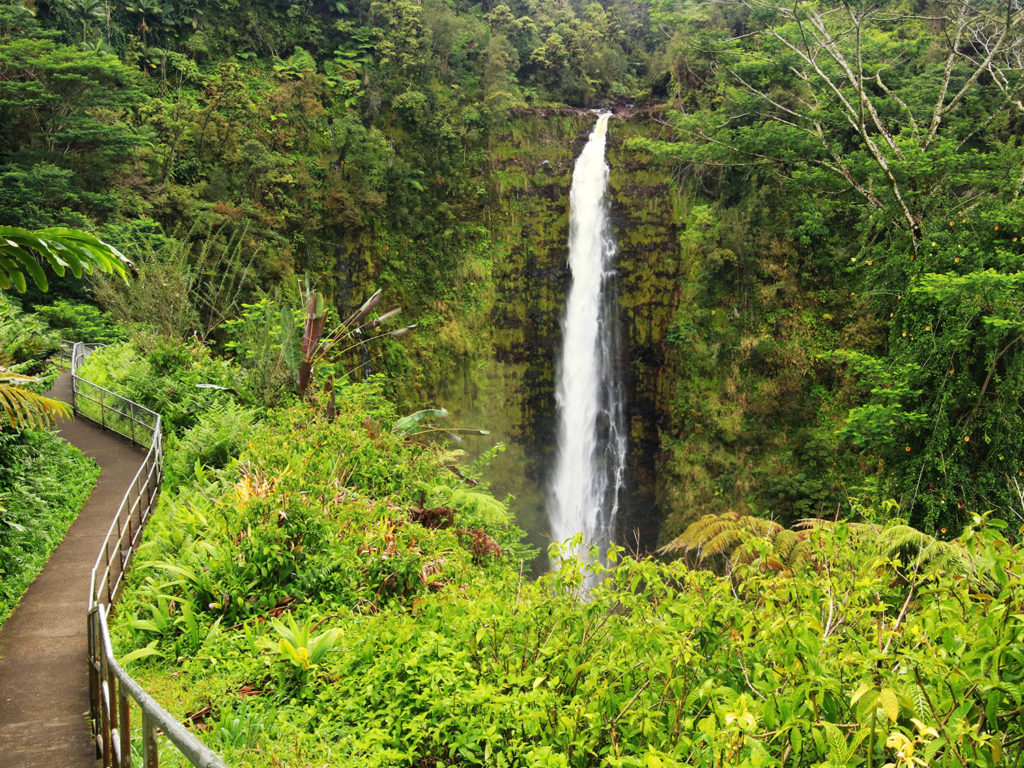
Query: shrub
[
  {"x": 179, "y": 380},
  {"x": 25, "y": 341},
  {"x": 78, "y": 321},
  {"x": 218, "y": 436}
]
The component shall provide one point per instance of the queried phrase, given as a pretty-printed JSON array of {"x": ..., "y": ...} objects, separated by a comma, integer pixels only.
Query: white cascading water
[{"x": 590, "y": 472}]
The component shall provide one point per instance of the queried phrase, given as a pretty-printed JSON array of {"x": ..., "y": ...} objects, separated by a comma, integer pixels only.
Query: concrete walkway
[{"x": 44, "y": 680}]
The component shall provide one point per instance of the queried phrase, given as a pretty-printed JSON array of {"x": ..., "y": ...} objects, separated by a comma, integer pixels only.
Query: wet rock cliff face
[{"x": 509, "y": 388}]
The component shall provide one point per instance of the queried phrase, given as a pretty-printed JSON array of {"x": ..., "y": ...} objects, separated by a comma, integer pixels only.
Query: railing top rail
[{"x": 94, "y": 592}]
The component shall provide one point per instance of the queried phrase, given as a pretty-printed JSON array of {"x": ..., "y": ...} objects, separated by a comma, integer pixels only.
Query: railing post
[
  {"x": 120, "y": 544},
  {"x": 103, "y": 411},
  {"x": 148, "y": 487},
  {"x": 106, "y": 552},
  {"x": 124, "y": 728},
  {"x": 150, "y": 758},
  {"x": 94, "y": 674},
  {"x": 106, "y": 696}
]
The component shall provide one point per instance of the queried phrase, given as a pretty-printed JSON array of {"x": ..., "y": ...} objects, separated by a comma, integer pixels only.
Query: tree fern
[
  {"x": 903, "y": 543},
  {"x": 738, "y": 538},
  {"x": 744, "y": 539},
  {"x": 913, "y": 546}
]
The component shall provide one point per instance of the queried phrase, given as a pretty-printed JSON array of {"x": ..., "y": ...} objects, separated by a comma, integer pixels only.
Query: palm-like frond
[
  {"x": 699, "y": 532},
  {"x": 811, "y": 523},
  {"x": 723, "y": 542},
  {"x": 22, "y": 408},
  {"x": 24, "y": 252}
]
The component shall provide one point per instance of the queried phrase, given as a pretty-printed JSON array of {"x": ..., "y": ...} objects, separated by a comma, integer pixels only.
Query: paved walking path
[{"x": 44, "y": 681}]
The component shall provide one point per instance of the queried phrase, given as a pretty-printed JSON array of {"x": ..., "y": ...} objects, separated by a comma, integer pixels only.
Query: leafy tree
[
  {"x": 942, "y": 402},
  {"x": 891, "y": 129},
  {"x": 875, "y": 99},
  {"x": 61, "y": 107}
]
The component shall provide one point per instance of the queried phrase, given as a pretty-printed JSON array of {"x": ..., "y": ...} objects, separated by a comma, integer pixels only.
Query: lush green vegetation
[
  {"x": 814, "y": 156},
  {"x": 853, "y": 254},
  {"x": 43, "y": 481},
  {"x": 819, "y": 213},
  {"x": 332, "y": 593}
]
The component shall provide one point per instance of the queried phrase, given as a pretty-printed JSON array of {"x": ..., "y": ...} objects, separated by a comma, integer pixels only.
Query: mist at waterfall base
[{"x": 589, "y": 475}]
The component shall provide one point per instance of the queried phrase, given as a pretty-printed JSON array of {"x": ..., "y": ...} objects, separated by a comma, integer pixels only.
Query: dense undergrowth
[
  {"x": 333, "y": 594},
  {"x": 44, "y": 481},
  {"x": 309, "y": 616}
]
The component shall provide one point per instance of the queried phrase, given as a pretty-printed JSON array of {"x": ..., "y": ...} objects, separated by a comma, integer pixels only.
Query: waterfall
[{"x": 589, "y": 474}]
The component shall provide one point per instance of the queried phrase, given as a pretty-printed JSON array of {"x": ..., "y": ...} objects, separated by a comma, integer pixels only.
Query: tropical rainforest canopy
[{"x": 821, "y": 235}]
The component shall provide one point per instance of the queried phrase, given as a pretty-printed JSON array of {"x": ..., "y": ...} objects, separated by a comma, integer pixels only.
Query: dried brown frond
[
  {"x": 433, "y": 517},
  {"x": 480, "y": 544}
]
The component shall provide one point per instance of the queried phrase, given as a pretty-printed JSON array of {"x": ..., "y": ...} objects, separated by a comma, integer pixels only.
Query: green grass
[{"x": 44, "y": 482}]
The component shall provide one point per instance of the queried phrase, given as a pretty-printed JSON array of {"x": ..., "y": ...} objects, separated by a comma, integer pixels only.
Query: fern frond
[
  {"x": 906, "y": 543},
  {"x": 763, "y": 527},
  {"x": 785, "y": 541},
  {"x": 698, "y": 533},
  {"x": 744, "y": 554},
  {"x": 814, "y": 523},
  {"x": 727, "y": 538},
  {"x": 902, "y": 540},
  {"x": 802, "y": 551}
]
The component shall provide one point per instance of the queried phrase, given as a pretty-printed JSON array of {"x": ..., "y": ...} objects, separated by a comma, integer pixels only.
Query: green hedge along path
[{"x": 44, "y": 688}]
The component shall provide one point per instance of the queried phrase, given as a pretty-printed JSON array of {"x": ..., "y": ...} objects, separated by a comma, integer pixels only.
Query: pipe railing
[{"x": 111, "y": 689}]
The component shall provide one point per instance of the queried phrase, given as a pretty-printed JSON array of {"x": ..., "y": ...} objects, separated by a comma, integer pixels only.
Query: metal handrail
[{"x": 110, "y": 687}]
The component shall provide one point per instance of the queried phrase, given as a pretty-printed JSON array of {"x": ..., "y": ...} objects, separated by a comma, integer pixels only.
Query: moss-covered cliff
[{"x": 510, "y": 387}]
